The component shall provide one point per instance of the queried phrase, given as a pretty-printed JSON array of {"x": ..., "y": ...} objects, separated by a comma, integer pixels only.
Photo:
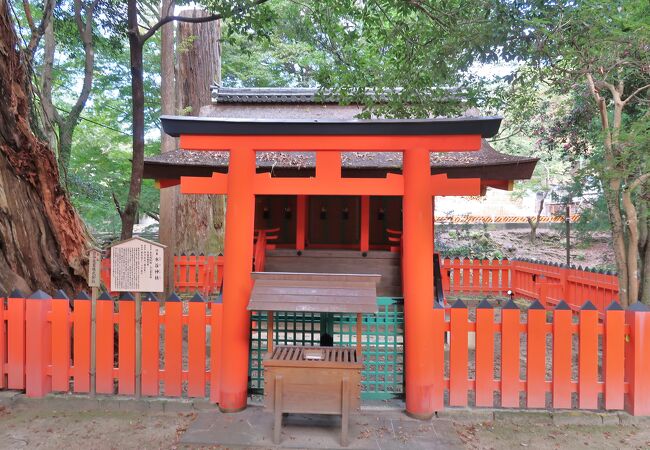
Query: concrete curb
[
  {"x": 76, "y": 402},
  {"x": 67, "y": 402}
]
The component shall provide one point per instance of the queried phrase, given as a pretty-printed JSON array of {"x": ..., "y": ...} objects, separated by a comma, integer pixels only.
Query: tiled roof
[
  {"x": 487, "y": 160},
  {"x": 306, "y": 104},
  {"x": 270, "y": 95}
]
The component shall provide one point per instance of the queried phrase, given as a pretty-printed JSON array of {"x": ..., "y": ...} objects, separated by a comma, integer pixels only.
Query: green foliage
[
  {"x": 100, "y": 164},
  {"x": 436, "y": 52},
  {"x": 102, "y": 170},
  {"x": 363, "y": 51}
]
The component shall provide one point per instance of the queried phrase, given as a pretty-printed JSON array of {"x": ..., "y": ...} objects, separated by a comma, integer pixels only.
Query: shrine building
[{"x": 343, "y": 195}]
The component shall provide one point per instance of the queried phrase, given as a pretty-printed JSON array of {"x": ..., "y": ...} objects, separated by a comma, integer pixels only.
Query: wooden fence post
[
  {"x": 83, "y": 369},
  {"x": 216, "y": 322},
  {"x": 458, "y": 354},
  {"x": 38, "y": 345},
  {"x": 438, "y": 328},
  {"x": 510, "y": 350},
  {"x": 3, "y": 342},
  {"x": 196, "y": 347},
  {"x": 536, "y": 356},
  {"x": 16, "y": 340},
  {"x": 173, "y": 374},
  {"x": 61, "y": 342},
  {"x": 484, "y": 354},
  {"x": 613, "y": 356},
  {"x": 150, "y": 345},
  {"x": 562, "y": 340},
  {"x": 588, "y": 357},
  {"x": 126, "y": 341},
  {"x": 105, "y": 341},
  {"x": 637, "y": 360},
  {"x": 542, "y": 291}
]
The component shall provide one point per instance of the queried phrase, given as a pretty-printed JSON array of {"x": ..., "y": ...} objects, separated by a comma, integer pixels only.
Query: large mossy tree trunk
[{"x": 42, "y": 239}]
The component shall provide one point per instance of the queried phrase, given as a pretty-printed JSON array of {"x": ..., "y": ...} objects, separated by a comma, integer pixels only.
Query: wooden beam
[
  {"x": 167, "y": 182},
  {"x": 216, "y": 184},
  {"x": 327, "y": 184},
  {"x": 437, "y": 143},
  {"x": 441, "y": 185},
  {"x": 328, "y": 165},
  {"x": 264, "y": 184}
]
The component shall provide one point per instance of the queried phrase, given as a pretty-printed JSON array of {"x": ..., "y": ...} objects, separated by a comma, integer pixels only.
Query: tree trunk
[
  {"x": 534, "y": 223},
  {"x": 199, "y": 218},
  {"x": 533, "y": 231},
  {"x": 129, "y": 214},
  {"x": 190, "y": 223},
  {"x": 65, "y": 147},
  {"x": 168, "y": 196},
  {"x": 42, "y": 239},
  {"x": 644, "y": 249}
]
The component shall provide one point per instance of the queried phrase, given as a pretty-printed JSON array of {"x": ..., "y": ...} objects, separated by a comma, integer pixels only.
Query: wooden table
[
  {"x": 313, "y": 380},
  {"x": 329, "y": 385}
]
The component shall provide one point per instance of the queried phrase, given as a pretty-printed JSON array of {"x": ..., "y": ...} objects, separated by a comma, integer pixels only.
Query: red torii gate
[{"x": 414, "y": 138}]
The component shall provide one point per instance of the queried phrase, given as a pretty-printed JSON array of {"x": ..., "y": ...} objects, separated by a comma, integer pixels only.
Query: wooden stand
[
  {"x": 313, "y": 380},
  {"x": 328, "y": 386}
]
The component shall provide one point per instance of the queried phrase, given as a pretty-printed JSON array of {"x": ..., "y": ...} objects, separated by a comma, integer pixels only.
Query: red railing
[
  {"x": 520, "y": 355},
  {"x": 262, "y": 238},
  {"x": 543, "y": 352},
  {"x": 550, "y": 283},
  {"x": 46, "y": 346}
]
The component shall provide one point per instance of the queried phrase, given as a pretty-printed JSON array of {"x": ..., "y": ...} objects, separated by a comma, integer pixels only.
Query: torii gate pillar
[
  {"x": 418, "y": 284},
  {"x": 238, "y": 258}
]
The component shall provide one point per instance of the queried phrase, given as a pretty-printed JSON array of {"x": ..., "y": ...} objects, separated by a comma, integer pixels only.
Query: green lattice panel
[{"x": 382, "y": 341}]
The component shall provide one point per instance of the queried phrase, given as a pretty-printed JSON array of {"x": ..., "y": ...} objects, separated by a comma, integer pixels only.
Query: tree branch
[
  {"x": 209, "y": 18},
  {"x": 638, "y": 182},
  {"x": 37, "y": 33},
  {"x": 153, "y": 215},
  {"x": 635, "y": 93},
  {"x": 28, "y": 15},
  {"x": 86, "y": 34},
  {"x": 117, "y": 205}
]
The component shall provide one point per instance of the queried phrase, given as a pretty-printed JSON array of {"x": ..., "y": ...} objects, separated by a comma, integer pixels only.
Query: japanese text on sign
[
  {"x": 94, "y": 268},
  {"x": 137, "y": 266}
]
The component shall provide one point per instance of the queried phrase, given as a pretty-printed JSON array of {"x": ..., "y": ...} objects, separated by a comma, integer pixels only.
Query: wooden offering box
[{"x": 313, "y": 380}]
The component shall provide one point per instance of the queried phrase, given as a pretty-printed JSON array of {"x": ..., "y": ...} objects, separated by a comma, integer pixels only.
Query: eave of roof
[
  {"x": 485, "y": 126},
  {"x": 486, "y": 163}
]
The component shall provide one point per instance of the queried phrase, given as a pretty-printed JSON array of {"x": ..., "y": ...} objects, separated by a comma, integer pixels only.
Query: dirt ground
[
  {"x": 498, "y": 435},
  {"x": 551, "y": 246},
  {"x": 43, "y": 428},
  {"x": 596, "y": 252},
  {"x": 34, "y": 426}
]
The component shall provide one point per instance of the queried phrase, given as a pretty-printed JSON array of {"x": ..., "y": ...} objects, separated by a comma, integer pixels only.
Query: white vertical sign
[{"x": 94, "y": 267}]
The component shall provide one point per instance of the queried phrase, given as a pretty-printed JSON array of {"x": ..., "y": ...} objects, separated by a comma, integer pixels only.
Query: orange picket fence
[
  {"x": 530, "y": 359},
  {"x": 45, "y": 345},
  {"x": 549, "y": 283},
  {"x": 537, "y": 372}
]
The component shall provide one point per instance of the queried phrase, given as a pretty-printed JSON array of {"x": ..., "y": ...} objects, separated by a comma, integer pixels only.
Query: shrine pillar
[
  {"x": 238, "y": 260},
  {"x": 418, "y": 284},
  {"x": 301, "y": 221}
]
